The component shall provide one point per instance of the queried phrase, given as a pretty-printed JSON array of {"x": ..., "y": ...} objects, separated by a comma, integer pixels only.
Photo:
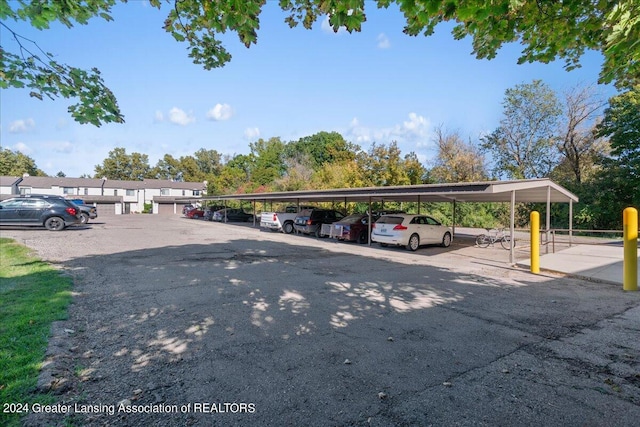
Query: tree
[
  {"x": 456, "y": 160},
  {"x": 523, "y": 145},
  {"x": 416, "y": 172},
  {"x": 209, "y": 161},
  {"x": 383, "y": 166},
  {"x": 267, "y": 160},
  {"x": 190, "y": 170},
  {"x": 17, "y": 164},
  {"x": 167, "y": 167},
  {"x": 321, "y": 148},
  {"x": 547, "y": 30},
  {"x": 297, "y": 176},
  {"x": 33, "y": 68},
  {"x": 123, "y": 166},
  {"x": 346, "y": 174},
  {"x": 235, "y": 176},
  {"x": 621, "y": 124},
  {"x": 578, "y": 144}
]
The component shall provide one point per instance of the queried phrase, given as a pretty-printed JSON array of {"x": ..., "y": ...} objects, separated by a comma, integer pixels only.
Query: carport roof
[{"x": 527, "y": 190}]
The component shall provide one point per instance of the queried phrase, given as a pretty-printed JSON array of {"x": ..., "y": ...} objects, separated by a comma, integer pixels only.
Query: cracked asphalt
[{"x": 184, "y": 322}]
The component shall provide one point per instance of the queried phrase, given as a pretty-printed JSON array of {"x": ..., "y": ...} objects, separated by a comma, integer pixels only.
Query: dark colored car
[
  {"x": 231, "y": 214},
  {"x": 208, "y": 213},
  {"x": 53, "y": 212},
  {"x": 310, "y": 221},
  {"x": 87, "y": 212},
  {"x": 353, "y": 228}
]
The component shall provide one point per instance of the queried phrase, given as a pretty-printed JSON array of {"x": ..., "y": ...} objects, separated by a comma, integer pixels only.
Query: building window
[
  {"x": 184, "y": 193},
  {"x": 131, "y": 192},
  {"x": 86, "y": 191},
  {"x": 165, "y": 191},
  {"x": 68, "y": 190},
  {"x": 196, "y": 192},
  {"x": 25, "y": 190},
  {"x": 115, "y": 192}
]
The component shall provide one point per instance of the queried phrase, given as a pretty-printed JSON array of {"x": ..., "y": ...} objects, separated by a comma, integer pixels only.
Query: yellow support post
[
  {"x": 535, "y": 242},
  {"x": 630, "y": 238}
]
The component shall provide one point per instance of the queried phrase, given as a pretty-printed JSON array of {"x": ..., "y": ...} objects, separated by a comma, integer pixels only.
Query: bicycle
[{"x": 484, "y": 240}]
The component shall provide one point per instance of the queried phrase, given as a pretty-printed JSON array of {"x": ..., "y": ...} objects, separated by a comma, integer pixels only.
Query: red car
[
  {"x": 354, "y": 228},
  {"x": 196, "y": 213}
]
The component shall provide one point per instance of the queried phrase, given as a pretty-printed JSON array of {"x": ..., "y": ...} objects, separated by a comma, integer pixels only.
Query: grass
[{"x": 33, "y": 294}]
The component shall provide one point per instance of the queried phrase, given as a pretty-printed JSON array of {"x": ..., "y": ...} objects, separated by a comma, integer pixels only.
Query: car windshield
[
  {"x": 352, "y": 219},
  {"x": 390, "y": 220}
]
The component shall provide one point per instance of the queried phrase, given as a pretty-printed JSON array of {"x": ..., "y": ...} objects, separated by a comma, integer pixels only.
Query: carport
[{"x": 541, "y": 190}]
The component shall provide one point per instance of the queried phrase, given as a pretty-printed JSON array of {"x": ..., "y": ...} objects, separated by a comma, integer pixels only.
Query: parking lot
[{"x": 275, "y": 329}]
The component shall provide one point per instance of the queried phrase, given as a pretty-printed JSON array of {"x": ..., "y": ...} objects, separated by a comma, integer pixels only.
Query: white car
[{"x": 410, "y": 231}]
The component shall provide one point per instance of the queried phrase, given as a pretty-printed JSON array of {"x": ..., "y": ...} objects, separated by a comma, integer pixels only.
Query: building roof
[
  {"x": 49, "y": 182},
  {"x": 54, "y": 181},
  {"x": 526, "y": 190},
  {"x": 6, "y": 181}
]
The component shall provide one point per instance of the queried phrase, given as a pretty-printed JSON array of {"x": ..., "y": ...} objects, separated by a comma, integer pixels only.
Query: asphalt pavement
[{"x": 172, "y": 316}]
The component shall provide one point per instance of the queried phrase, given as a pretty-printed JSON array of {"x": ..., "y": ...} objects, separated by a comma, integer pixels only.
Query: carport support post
[
  {"x": 630, "y": 237},
  {"x": 512, "y": 220},
  {"x": 535, "y": 242},
  {"x": 254, "y": 212},
  {"x": 369, "y": 222},
  {"x": 548, "y": 218},
  {"x": 453, "y": 220},
  {"x": 570, "y": 222}
]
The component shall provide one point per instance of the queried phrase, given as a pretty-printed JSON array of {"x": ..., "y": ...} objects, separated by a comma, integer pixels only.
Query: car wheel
[
  {"x": 362, "y": 238},
  {"x": 414, "y": 243},
  {"x": 84, "y": 218},
  {"x": 54, "y": 223},
  {"x": 446, "y": 240},
  {"x": 287, "y": 227},
  {"x": 384, "y": 245}
]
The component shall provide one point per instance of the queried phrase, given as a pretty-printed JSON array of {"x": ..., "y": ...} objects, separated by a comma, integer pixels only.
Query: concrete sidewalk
[{"x": 599, "y": 263}]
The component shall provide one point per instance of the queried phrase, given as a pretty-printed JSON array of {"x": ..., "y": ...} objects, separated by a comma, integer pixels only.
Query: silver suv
[{"x": 53, "y": 212}]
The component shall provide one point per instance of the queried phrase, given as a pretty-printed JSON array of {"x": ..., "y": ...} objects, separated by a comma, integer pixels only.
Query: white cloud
[
  {"x": 220, "y": 112},
  {"x": 416, "y": 126},
  {"x": 383, "y": 41},
  {"x": 23, "y": 148},
  {"x": 180, "y": 117},
  {"x": 21, "y": 126},
  {"x": 415, "y": 130},
  {"x": 64, "y": 147},
  {"x": 251, "y": 133}
]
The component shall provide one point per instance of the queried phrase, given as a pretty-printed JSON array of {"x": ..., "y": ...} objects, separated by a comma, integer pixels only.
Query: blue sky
[{"x": 375, "y": 86}]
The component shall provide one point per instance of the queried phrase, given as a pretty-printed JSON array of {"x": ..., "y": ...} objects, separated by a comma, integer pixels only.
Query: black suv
[
  {"x": 53, "y": 212},
  {"x": 310, "y": 221}
]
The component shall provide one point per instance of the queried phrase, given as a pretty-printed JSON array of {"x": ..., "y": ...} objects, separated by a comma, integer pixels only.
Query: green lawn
[{"x": 32, "y": 295}]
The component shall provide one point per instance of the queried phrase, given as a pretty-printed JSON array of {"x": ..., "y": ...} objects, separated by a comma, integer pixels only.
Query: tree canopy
[
  {"x": 547, "y": 31},
  {"x": 523, "y": 144},
  {"x": 17, "y": 164}
]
